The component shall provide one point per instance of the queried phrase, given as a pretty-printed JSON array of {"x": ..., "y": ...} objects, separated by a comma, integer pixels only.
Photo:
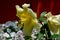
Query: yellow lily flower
[
  {"x": 28, "y": 18},
  {"x": 53, "y": 22}
]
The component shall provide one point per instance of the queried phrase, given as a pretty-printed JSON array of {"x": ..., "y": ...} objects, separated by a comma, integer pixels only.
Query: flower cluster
[
  {"x": 10, "y": 31},
  {"x": 47, "y": 27}
]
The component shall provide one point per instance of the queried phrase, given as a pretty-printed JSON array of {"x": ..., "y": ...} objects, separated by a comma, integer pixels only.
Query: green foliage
[
  {"x": 28, "y": 38},
  {"x": 42, "y": 17},
  {"x": 55, "y": 36},
  {"x": 43, "y": 14},
  {"x": 44, "y": 29},
  {"x": 39, "y": 36}
]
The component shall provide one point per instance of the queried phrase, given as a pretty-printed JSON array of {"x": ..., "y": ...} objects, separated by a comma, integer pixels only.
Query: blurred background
[{"x": 8, "y": 11}]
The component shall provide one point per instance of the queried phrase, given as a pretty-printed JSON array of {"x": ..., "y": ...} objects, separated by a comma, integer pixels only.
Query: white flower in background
[
  {"x": 34, "y": 32},
  {"x": 20, "y": 32},
  {"x": 21, "y": 35},
  {"x": 10, "y": 23},
  {"x": 33, "y": 36},
  {"x": 6, "y": 35},
  {"x": 13, "y": 34},
  {"x": 1, "y": 31},
  {"x": 8, "y": 30},
  {"x": 3, "y": 24}
]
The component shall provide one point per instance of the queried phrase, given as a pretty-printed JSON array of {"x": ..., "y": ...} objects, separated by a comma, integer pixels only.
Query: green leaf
[
  {"x": 39, "y": 36},
  {"x": 42, "y": 17},
  {"x": 43, "y": 14},
  {"x": 55, "y": 36}
]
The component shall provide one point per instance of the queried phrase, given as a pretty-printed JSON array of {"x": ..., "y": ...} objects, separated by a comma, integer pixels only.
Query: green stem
[{"x": 28, "y": 38}]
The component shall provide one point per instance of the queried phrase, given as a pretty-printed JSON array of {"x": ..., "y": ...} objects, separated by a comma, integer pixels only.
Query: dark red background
[{"x": 8, "y": 11}]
